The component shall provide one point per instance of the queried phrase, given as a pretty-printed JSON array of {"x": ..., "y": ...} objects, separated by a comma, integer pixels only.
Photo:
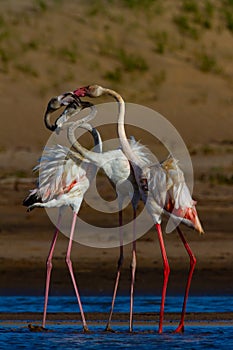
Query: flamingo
[
  {"x": 118, "y": 170},
  {"x": 63, "y": 182},
  {"x": 163, "y": 190}
]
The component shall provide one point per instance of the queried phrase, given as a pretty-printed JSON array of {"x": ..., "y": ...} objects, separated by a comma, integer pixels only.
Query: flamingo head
[
  {"x": 72, "y": 103},
  {"x": 62, "y": 100},
  {"x": 189, "y": 214},
  {"x": 90, "y": 91}
]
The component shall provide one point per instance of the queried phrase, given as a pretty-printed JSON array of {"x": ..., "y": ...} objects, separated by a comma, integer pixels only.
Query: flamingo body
[
  {"x": 163, "y": 190},
  {"x": 62, "y": 182},
  {"x": 64, "y": 179}
]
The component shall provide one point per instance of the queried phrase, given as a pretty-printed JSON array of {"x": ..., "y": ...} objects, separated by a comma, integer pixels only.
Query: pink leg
[
  {"x": 69, "y": 263},
  {"x": 193, "y": 261},
  {"x": 120, "y": 262},
  {"x": 166, "y": 272},
  {"x": 49, "y": 268},
  {"x": 133, "y": 270}
]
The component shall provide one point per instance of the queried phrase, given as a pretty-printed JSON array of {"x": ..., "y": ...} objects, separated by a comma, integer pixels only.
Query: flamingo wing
[
  {"x": 58, "y": 175},
  {"x": 179, "y": 201}
]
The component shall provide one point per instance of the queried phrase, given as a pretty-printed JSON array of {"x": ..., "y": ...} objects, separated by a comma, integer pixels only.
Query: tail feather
[{"x": 31, "y": 198}]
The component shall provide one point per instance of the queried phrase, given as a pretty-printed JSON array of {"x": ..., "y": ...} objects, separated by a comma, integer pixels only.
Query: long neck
[
  {"x": 121, "y": 128},
  {"x": 97, "y": 139},
  {"x": 94, "y": 157},
  {"x": 47, "y": 120},
  {"x": 135, "y": 161}
]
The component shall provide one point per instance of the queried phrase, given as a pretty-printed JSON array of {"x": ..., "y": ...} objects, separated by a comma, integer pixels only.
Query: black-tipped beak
[
  {"x": 72, "y": 103},
  {"x": 67, "y": 98},
  {"x": 47, "y": 116},
  {"x": 56, "y": 103}
]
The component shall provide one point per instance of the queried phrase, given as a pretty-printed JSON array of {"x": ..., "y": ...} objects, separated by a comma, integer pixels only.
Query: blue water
[
  {"x": 15, "y": 335},
  {"x": 67, "y": 337},
  {"x": 102, "y": 304}
]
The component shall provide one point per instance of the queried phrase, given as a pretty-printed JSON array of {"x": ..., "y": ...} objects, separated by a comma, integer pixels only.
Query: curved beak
[
  {"x": 55, "y": 103},
  {"x": 69, "y": 99},
  {"x": 48, "y": 112}
]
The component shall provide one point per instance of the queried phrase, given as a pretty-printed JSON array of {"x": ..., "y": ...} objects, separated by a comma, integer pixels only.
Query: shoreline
[
  {"x": 118, "y": 316},
  {"x": 26, "y": 319}
]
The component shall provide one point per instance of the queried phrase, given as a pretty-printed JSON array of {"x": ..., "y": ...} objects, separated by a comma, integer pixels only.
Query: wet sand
[
  {"x": 25, "y": 239},
  {"x": 33, "y": 320},
  {"x": 120, "y": 316}
]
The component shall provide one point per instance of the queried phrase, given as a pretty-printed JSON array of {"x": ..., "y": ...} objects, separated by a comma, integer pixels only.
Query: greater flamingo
[
  {"x": 117, "y": 168},
  {"x": 163, "y": 190},
  {"x": 63, "y": 182}
]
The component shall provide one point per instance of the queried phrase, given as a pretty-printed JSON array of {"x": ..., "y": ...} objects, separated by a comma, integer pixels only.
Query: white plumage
[
  {"x": 115, "y": 165},
  {"x": 64, "y": 178},
  {"x": 163, "y": 189},
  {"x": 62, "y": 181}
]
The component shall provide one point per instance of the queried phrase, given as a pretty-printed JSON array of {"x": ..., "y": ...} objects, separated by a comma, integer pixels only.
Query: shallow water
[
  {"x": 68, "y": 335},
  {"x": 148, "y": 303}
]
